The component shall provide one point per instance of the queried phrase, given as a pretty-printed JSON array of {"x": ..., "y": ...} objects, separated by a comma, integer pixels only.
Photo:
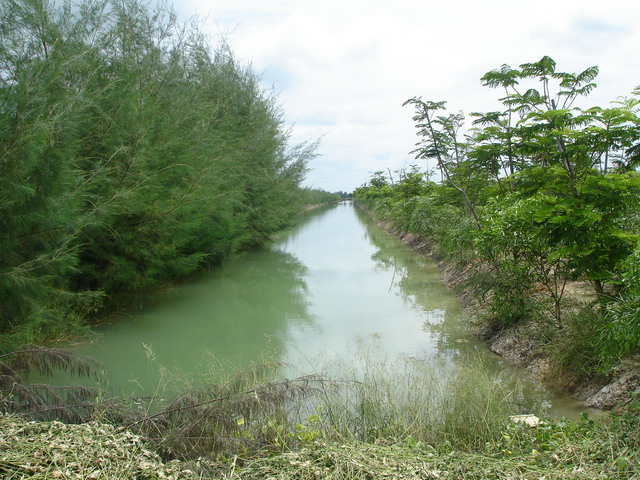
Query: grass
[
  {"x": 569, "y": 458},
  {"x": 411, "y": 400},
  {"x": 488, "y": 447},
  {"x": 363, "y": 399}
]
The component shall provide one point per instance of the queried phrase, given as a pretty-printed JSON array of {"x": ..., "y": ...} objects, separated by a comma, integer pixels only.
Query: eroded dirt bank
[{"x": 523, "y": 344}]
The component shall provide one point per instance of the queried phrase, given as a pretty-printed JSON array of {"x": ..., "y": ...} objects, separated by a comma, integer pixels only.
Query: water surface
[{"x": 331, "y": 289}]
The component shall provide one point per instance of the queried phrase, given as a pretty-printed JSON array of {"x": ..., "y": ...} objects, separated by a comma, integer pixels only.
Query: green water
[{"x": 334, "y": 288}]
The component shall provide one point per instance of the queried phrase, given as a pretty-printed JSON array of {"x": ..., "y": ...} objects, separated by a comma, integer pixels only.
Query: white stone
[{"x": 528, "y": 419}]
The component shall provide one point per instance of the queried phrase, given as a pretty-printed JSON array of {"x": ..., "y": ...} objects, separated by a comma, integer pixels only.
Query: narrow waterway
[{"x": 334, "y": 288}]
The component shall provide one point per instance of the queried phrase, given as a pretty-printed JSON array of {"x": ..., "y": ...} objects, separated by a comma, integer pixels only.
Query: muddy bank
[{"x": 523, "y": 344}]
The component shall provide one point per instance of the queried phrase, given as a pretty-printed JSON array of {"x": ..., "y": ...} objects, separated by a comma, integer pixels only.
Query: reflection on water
[
  {"x": 333, "y": 288},
  {"x": 354, "y": 274},
  {"x": 235, "y": 314}
]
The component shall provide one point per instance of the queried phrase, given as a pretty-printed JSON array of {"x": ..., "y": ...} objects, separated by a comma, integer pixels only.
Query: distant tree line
[
  {"x": 132, "y": 152},
  {"x": 317, "y": 196},
  {"x": 541, "y": 193}
]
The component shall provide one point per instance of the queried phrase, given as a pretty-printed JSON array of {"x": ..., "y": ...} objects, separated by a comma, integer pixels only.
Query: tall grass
[
  {"x": 413, "y": 400},
  {"x": 364, "y": 398}
]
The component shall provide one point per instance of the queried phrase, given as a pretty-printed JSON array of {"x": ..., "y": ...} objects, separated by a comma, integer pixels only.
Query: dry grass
[
  {"x": 49, "y": 450},
  {"x": 372, "y": 461}
]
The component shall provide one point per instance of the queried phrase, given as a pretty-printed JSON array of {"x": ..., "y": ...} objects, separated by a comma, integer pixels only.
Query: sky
[{"x": 341, "y": 69}]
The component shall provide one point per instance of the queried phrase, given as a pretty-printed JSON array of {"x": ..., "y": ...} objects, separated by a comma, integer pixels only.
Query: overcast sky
[{"x": 343, "y": 68}]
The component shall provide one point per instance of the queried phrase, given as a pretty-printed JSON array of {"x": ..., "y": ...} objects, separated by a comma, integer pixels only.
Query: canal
[{"x": 325, "y": 295}]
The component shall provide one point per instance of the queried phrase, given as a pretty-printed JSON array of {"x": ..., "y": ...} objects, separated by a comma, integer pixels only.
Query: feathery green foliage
[{"x": 133, "y": 152}]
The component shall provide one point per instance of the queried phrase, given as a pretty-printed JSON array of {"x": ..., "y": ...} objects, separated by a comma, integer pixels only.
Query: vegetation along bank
[
  {"x": 133, "y": 152},
  {"x": 536, "y": 214}
]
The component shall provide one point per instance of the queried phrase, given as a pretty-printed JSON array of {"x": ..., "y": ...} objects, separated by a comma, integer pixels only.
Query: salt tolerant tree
[
  {"x": 194, "y": 155},
  {"x": 550, "y": 129},
  {"x": 440, "y": 139},
  {"x": 613, "y": 137},
  {"x": 570, "y": 196},
  {"x": 43, "y": 104},
  {"x": 545, "y": 118},
  {"x": 494, "y": 147},
  {"x": 551, "y": 186},
  {"x": 132, "y": 153}
]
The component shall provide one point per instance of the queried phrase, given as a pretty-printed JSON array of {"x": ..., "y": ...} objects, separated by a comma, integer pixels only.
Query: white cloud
[{"x": 344, "y": 68}]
